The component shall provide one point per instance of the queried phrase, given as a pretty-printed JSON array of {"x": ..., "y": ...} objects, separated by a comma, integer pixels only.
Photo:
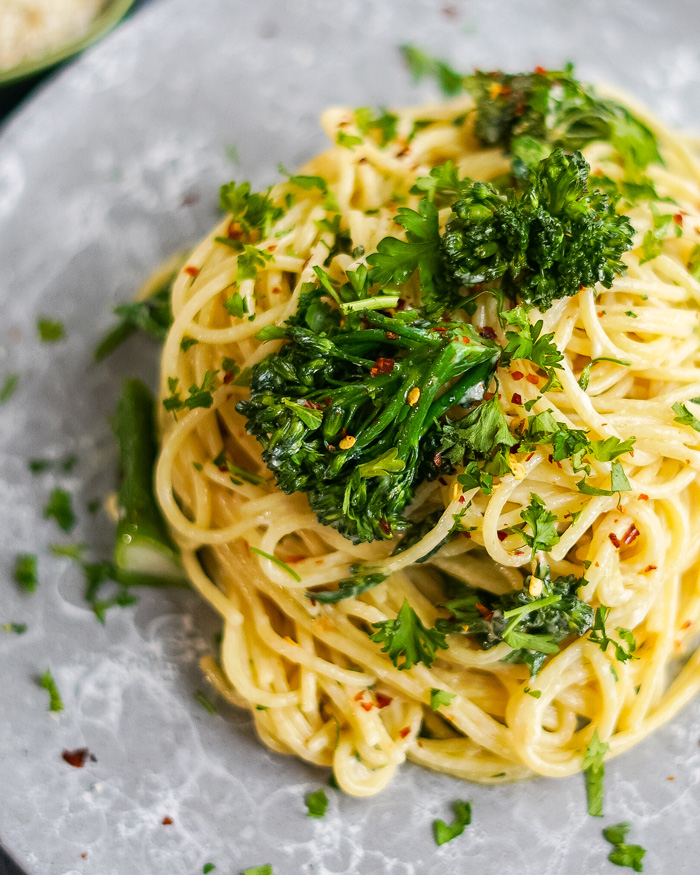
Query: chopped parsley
[
  {"x": 265, "y": 869},
  {"x": 207, "y": 868},
  {"x": 594, "y": 770},
  {"x": 47, "y": 682},
  {"x": 407, "y": 640},
  {"x": 17, "y": 628},
  {"x": 49, "y": 330},
  {"x": 236, "y": 305},
  {"x": 199, "y": 396},
  {"x": 543, "y": 534},
  {"x": 25, "y": 573},
  {"x": 585, "y": 376},
  {"x": 8, "y": 387},
  {"x": 278, "y": 562},
  {"x": 316, "y": 803},
  {"x": 204, "y": 701},
  {"x": 60, "y": 508},
  {"x": 422, "y": 65},
  {"x": 623, "y": 854},
  {"x": 618, "y": 482},
  {"x": 252, "y": 211},
  {"x": 385, "y": 124},
  {"x": 349, "y": 141},
  {"x": 623, "y": 651},
  {"x": 440, "y": 698},
  {"x": 444, "y": 832},
  {"x": 655, "y": 236},
  {"x": 684, "y": 416}
]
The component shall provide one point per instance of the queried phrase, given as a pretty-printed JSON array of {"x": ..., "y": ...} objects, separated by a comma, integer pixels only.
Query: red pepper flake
[
  {"x": 644, "y": 497},
  {"x": 461, "y": 499},
  {"x": 488, "y": 396},
  {"x": 404, "y": 732},
  {"x": 313, "y": 601},
  {"x": 292, "y": 560},
  {"x": 678, "y": 219},
  {"x": 442, "y": 481},
  {"x": 527, "y": 458},
  {"x": 650, "y": 568},
  {"x": 484, "y": 611},
  {"x": 401, "y": 304},
  {"x": 686, "y": 625},
  {"x": 391, "y": 335},
  {"x": 439, "y": 329},
  {"x": 517, "y": 375},
  {"x": 78, "y": 757},
  {"x": 223, "y": 468},
  {"x": 385, "y": 526},
  {"x": 516, "y": 399},
  {"x": 614, "y": 540},
  {"x": 191, "y": 270},
  {"x": 358, "y": 696},
  {"x": 189, "y": 199},
  {"x": 466, "y": 535},
  {"x": 228, "y": 376},
  {"x": 550, "y": 459},
  {"x": 540, "y": 71},
  {"x": 671, "y": 778},
  {"x": 502, "y": 535},
  {"x": 487, "y": 333},
  {"x": 167, "y": 821},
  {"x": 533, "y": 378},
  {"x": 630, "y": 535},
  {"x": 272, "y": 247},
  {"x": 84, "y": 855},
  {"x": 437, "y": 459},
  {"x": 367, "y": 705},
  {"x": 382, "y": 366},
  {"x": 383, "y": 700},
  {"x": 276, "y": 290}
]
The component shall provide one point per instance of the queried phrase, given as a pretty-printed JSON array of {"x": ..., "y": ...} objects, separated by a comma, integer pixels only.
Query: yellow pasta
[{"x": 316, "y": 685}]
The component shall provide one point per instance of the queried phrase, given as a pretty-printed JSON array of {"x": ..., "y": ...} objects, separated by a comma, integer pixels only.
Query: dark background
[{"x": 11, "y": 99}]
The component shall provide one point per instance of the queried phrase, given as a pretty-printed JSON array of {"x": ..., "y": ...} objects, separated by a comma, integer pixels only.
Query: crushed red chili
[
  {"x": 517, "y": 375},
  {"x": 488, "y": 333},
  {"x": 167, "y": 821},
  {"x": 383, "y": 700},
  {"x": 630, "y": 535},
  {"x": 404, "y": 732},
  {"x": 614, "y": 540},
  {"x": 382, "y": 366},
  {"x": 78, "y": 757},
  {"x": 516, "y": 399},
  {"x": 191, "y": 270}
]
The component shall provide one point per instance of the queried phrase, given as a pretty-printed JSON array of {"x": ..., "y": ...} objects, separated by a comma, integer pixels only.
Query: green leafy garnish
[
  {"x": 25, "y": 573},
  {"x": 541, "y": 522},
  {"x": 50, "y": 330},
  {"x": 618, "y": 482},
  {"x": 252, "y": 211},
  {"x": 623, "y": 652},
  {"x": 204, "y": 701},
  {"x": 385, "y": 124},
  {"x": 8, "y": 387},
  {"x": 463, "y": 817},
  {"x": 585, "y": 376},
  {"x": 278, "y": 562},
  {"x": 407, "y": 640},
  {"x": 623, "y": 854},
  {"x": 199, "y": 396},
  {"x": 684, "y": 416},
  {"x": 47, "y": 682},
  {"x": 17, "y": 628},
  {"x": 349, "y": 587},
  {"x": 207, "y": 868},
  {"x": 265, "y": 869},
  {"x": 60, "y": 508},
  {"x": 438, "y": 699},
  {"x": 423, "y": 65},
  {"x": 349, "y": 141},
  {"x": 652, "y": 243},
  {"x": 316, "y": 803},
  {"x": 594, "y": 769}
]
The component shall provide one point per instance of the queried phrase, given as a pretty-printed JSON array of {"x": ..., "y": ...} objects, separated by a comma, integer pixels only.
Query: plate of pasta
[{"x": 405, "y": 409}]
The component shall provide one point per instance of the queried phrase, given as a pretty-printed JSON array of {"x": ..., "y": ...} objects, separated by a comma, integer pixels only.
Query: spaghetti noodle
[{"x": 316, "y": 683}]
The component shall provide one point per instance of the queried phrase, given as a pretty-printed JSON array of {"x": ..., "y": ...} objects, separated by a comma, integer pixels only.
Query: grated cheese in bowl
[{"x": 31, "y": 28}]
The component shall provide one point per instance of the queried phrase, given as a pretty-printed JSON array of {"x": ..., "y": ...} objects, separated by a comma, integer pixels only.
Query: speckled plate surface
[{"x": 112, "y": 167}]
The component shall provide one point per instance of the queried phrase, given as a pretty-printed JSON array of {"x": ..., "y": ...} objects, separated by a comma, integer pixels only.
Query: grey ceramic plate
[{"x": 113, "y": 167}]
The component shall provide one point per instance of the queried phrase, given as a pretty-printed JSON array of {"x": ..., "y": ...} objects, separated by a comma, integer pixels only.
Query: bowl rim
[{"x": 111, "y": 14}]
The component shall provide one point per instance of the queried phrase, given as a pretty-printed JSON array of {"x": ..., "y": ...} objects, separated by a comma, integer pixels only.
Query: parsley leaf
[
  {"x": 316, "y": 803},
  {"x": 349, "y": 141},
  {"x": 17, "y": 628},
  {"x": 543, "y": 534},
  {"x": 253, "y": 212},
  {"x": 60, "y": 508},
  {"x": 585, "y": 376},
  {"x": 439, "y": 698},
  {"x": 623, "y": 854},
  {"x": 236, "y": 305},
  {"x": 654, "y": 237},
  {"x": 200, "y": 396},
  {"x": 395, "y": 261},
  {"x": 528, "y": 342},
  {"x": 47, "y": 682},
  {"x": 304, "y": 181},
  {"x": 385, "y": 124},
  {"x": 278, "y": 562},
  {"x": 8, "y": 387},
  {"x": 594, "y": 769},
  {"x": 265, "y": 869},
  {"x": 482, "y": 434},
  {"x": 25, "y": 573},
  {"x": 349, "y": 587},
  {"x": 407, "y": 640},
  {"x": 50, "y": 331},
  {"x": 611, "y": 448},
  {"x": 618, "y": 482},
  {"x": 684, "y": 416},
  {"x": 600, "y": 637},
  {"x": 423, "y": 65},
  {"x": 207, "y": 868},
  {"x": 463, "y": 817}
]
